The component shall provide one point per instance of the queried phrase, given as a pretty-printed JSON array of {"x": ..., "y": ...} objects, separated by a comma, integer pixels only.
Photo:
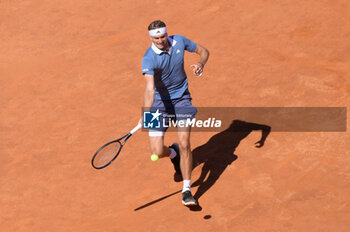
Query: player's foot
[
  {"x": 176, "y": 159},
  {"x": 188, "y": 199}
]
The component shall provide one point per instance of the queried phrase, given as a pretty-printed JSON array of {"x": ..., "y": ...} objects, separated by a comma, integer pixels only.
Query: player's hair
[{"x": 156, "y": 24}]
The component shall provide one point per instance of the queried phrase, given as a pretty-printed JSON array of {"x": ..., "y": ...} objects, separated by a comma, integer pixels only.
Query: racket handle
[{"x": 136, "y": 128}]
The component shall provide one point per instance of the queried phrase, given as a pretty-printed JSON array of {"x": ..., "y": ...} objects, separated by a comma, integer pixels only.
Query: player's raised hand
[{"x": 197, "y": 69}]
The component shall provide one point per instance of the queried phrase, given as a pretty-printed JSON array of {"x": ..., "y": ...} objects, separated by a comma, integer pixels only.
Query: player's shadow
[
  {"x": 216, "y": 155},
  {"x": 218, "y": 152}
]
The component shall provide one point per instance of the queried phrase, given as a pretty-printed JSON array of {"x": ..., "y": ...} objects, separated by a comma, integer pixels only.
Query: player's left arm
[{"x": 204, "y": 55}]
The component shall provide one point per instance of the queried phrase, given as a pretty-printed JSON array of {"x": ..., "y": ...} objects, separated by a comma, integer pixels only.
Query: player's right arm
[
  {"x": 148, "y": 75},
  {"x": 148, "y": 96}
]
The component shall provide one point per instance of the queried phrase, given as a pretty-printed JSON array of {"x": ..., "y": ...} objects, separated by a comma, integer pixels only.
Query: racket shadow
[{"x": 155, "y": 201}]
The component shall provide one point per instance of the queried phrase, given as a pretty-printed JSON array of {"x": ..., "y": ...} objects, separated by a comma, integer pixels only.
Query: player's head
[{"x": 158, "y": 33}]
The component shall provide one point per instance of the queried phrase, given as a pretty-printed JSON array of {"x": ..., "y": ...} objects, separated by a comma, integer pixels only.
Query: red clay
[{"x": 71, "y": 80}]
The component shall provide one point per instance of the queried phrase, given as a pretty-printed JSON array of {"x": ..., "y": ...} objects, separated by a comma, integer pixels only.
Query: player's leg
[
  {"x": 186, "y": 165},
  {"x": 185, "y": 151},
  {"x": 157, "y": 135},
  {"x": 185, "y": 111},
  {"x": 156, "y": 141}
]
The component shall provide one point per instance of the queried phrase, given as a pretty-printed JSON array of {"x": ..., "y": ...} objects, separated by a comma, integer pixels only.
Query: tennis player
[{"x": 167, "y": 90}]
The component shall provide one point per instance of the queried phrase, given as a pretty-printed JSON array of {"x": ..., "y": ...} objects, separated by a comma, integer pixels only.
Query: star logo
[
  {"x": 156, "y": 115},
  {"x": 151, "y": 119}
]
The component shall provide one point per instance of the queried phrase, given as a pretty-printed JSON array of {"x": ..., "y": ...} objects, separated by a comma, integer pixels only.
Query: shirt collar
[{"x": 158, "y": 51}]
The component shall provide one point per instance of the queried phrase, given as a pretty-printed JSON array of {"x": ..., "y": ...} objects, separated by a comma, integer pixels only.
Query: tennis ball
[{"x": 154, "y": 157}]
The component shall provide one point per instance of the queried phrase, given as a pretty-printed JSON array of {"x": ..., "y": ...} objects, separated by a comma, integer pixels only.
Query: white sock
[
  {"x": 186, "y": 185},
  {"x": 172, "y": 153}
]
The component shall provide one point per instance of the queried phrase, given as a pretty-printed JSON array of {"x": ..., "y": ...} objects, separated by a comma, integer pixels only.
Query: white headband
[{"x": 157, "y": 31}]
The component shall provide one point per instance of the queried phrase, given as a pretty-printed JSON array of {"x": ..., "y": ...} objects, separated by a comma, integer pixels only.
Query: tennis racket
[{"x": 110, "y": 151}]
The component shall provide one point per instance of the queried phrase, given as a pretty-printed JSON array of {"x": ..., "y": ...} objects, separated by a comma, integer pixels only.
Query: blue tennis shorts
[{"x": 172, "y": 111}]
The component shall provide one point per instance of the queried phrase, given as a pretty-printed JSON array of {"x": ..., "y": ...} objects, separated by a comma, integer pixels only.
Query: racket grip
[{"x": 136, "y": 128}]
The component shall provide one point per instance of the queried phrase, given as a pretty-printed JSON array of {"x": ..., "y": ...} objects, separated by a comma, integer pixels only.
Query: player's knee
[
  {"x": 157, "y": 150},
  {"x": 184, "y": 144}
]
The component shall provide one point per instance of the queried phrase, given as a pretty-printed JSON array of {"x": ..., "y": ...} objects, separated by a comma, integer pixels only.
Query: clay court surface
[{"x": 70, "y": 80}]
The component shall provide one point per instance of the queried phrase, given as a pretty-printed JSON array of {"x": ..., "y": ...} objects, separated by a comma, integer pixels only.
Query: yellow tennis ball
[{"x": 154, "y": 157}]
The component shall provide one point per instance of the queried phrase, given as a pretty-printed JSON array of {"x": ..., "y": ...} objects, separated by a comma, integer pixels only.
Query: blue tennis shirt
[{"x": 170, "y": 79}]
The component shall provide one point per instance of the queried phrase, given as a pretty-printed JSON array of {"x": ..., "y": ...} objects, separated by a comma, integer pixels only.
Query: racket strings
[{"x": 106, "y": 154}]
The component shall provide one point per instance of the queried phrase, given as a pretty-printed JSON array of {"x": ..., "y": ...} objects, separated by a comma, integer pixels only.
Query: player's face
[{"x": 160, "y": 41}]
